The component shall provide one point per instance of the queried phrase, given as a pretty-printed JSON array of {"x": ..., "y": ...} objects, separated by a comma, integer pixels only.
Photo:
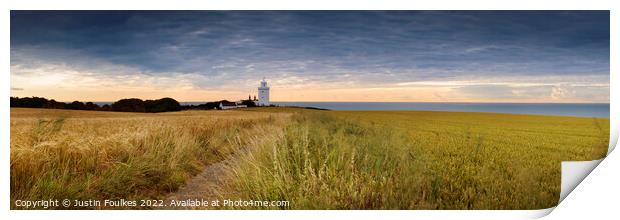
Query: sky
[{"x": 365, "y": 56}]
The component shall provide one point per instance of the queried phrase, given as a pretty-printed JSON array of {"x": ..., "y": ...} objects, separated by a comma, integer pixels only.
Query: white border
[{"x": 593, "y": 187}]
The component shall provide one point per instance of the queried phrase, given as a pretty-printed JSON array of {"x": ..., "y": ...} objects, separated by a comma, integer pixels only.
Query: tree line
[
  {"x": 123, "y": 105},
  {"x": 216, "y": 104}
]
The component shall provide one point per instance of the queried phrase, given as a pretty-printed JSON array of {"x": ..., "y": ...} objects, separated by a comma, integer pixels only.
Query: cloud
[
  {"x": 534, "y": 93},
  {"x": 560, "y": 92},
  {"x": 487, "y": 91},
  {"x": 313, "y": 49}
]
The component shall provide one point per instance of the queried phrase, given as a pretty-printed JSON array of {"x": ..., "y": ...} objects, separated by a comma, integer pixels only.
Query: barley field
[
  {"x": 417, "y": 160},
  {"x": 313, "y": 159}
]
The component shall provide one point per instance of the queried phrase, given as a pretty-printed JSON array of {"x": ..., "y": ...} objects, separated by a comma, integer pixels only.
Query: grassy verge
[{"x": 321, "y": 163}]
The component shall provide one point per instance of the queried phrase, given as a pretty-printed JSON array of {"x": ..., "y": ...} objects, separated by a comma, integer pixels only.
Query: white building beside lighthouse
[{"x": 263, "y": 94}]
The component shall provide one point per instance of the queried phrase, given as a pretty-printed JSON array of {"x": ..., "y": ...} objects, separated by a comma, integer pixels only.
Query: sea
[{"x": 592, "y": 110}]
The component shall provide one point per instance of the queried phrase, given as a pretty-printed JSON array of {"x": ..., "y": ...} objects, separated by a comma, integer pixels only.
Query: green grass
[{"x": 417, "y": 160}]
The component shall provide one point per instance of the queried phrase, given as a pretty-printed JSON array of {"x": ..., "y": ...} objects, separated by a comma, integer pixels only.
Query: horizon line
[
  {"x": 464, "y": 102},
  {"x": 371, "y": 102}
]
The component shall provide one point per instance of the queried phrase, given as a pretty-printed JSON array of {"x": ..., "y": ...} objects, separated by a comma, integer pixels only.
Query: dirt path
[
  {"x": 202, "y": 186},
  {"x": 205, "y": 185}
]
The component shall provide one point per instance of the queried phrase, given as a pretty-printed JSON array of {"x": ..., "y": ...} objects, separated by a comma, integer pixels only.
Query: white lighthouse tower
[{"x": 263, "y": 93}]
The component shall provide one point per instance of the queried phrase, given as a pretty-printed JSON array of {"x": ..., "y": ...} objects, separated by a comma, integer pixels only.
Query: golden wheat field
[
  {"x": 313, "y": 159},
  {"x": 107, "y": 155}
]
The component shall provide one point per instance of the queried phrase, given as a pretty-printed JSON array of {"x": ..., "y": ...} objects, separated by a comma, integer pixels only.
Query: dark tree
[
  {"x": 29, "y": 102},
  {"x": 249, "y": 103},
  {"x": 162, "y": 105},
  {"x": 129, "y": 105},
  {"x": 54, "y": 104},
  {"x": 76, "y": 105},
  {"x": 137, "y": 105},
  {"x": 106, "y": 107},
  {"x": 15, "y": 102},
  {"x": 91, "y": 106},
  {"x": 210, "y": 105}
]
